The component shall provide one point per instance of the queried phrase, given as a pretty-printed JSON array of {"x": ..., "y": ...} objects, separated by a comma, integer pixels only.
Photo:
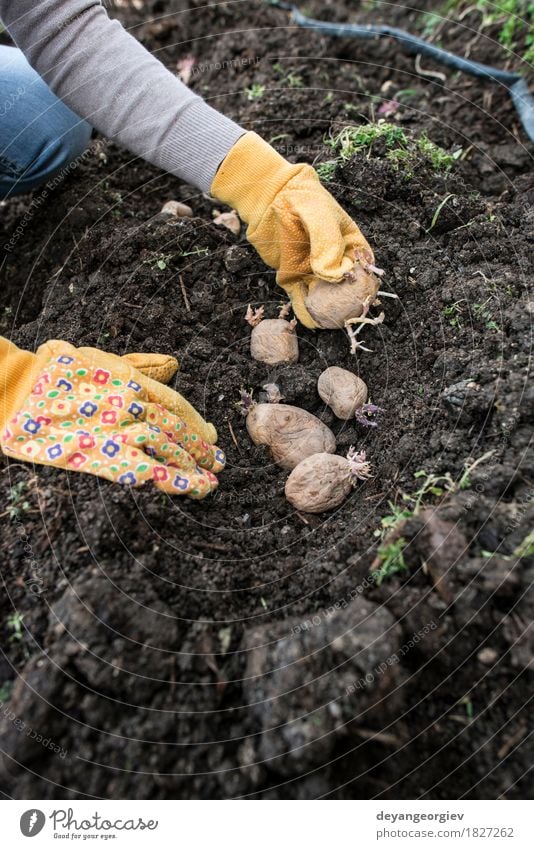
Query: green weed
[
  {"x": 391, "y": 561},
  {"x": 526, "y": 547},
  {"x": 454, "y": 313},
  {"x": 437, "y": 212},
  {"x": 289, "y": 78},
  {"x": 484, "y": 313},
  {"x": 14, "y": 624},
  {"x": 513, "y": 19},
  {"x": 326, "y": 170},
  {"x": 18, "y": 503},
  {"x": 399, "y": 147},
  {"x": 255, "y": 91},
  {"x": 390, "y": 554},
  {"x": 352, "y": 140},
  {"x": 160, "y": 261},
  {"x": 5, "y": 691}
]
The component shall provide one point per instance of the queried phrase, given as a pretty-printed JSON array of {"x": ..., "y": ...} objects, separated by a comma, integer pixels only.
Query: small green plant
[
  {"x": 526, "y": 546},
  {"x": 288, "y": 77},
  {"x": 437, "y": 212},
  {"x": 406, "y": 94},
  {"x": 326, "y": 170},
  {"x": 401, "y": 148},
  {"x": 14, "y": 624},
  {"x": 454, "y": 313},
  {"x": 255, "y": 91},
  {"x": 390, "y": 555},
  {"x": 484, "y": 313},
  {"x": 468, "y": 705},
  {"x": 352, "y": 140},
  {"x": 160, "y": 261},
  {"x": 294, "y": 80},
  {"x": 524, "y": 549},
  {"x": 439, "y": 159},
  {"x": 391, "y": 560},
  {"x": 5, "y": 691},
  {"x": 513, "y": 18},
  {"x": 18, "y": 503}
]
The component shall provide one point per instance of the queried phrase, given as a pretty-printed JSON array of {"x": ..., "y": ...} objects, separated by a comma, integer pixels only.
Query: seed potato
[
  {"x": 274, "y": 341},
  {"x": 332, "y": 304},
  {"x": 290, "y": 433},
  {"x": 343, "y": 391},
  {"x": 319, "y": 483}
]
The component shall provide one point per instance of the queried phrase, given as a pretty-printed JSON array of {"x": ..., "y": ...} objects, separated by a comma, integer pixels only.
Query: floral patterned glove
[{"x": 85, "y": 410}]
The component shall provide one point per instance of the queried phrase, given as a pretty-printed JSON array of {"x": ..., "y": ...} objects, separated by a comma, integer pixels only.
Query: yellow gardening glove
[
  {"x": 293, "y": 222},
  {"x": 85, "y": 410}
]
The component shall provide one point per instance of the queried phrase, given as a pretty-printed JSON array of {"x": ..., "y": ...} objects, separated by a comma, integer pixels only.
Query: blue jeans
[{"x": 39, "y": 135}]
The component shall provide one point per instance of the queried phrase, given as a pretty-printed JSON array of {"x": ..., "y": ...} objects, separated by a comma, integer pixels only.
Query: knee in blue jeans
[
  {"x": 39, "y": 135},
  {"x": 54, "y": 155}
]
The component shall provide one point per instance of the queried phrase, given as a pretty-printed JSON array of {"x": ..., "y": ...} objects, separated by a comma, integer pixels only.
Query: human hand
[
  {"x": 84, "y": 410},
  {"x": 293, "y": 221}
]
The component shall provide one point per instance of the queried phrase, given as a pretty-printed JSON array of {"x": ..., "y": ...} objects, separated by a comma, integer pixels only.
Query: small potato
[
  {"x": 331, "y": 304},
  {"x": 229, "y": 220},
  {"x": 274, "y": 341},
  {"x": 319, "y": 483},
  {"x": 322, "y": 481},
  {"x": 343, "y": 391},
  {"x": 290, "y": 433},
  {"x": 177, "y": 209}
]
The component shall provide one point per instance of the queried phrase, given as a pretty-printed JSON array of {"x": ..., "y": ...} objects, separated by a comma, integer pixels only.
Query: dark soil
[{"x": 232, "y": 647}]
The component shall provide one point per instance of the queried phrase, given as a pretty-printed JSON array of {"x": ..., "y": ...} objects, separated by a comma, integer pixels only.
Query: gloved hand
[
  {"x": 85, "y": 410},
  {"x": 293, "y": 221}
]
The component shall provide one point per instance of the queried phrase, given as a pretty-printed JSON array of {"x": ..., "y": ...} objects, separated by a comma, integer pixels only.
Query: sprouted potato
[
  {"x": 290, "y": 433},
  {"x": 321, "y": 482},
  {"x": 273, "y": 340},
  {"x": 331, "y": 305},
  {"x": 346, "y": 395}
]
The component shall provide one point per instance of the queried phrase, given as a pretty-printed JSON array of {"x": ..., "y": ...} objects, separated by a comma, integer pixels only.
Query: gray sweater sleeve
[{"x": 108, "y": 78}]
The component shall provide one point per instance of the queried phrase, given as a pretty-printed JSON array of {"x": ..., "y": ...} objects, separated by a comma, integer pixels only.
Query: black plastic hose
[{"x": 515, "y": 83}]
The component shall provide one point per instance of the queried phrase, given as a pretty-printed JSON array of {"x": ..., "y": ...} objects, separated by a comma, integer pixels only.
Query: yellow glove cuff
[{"x": 251, "y": 176}]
